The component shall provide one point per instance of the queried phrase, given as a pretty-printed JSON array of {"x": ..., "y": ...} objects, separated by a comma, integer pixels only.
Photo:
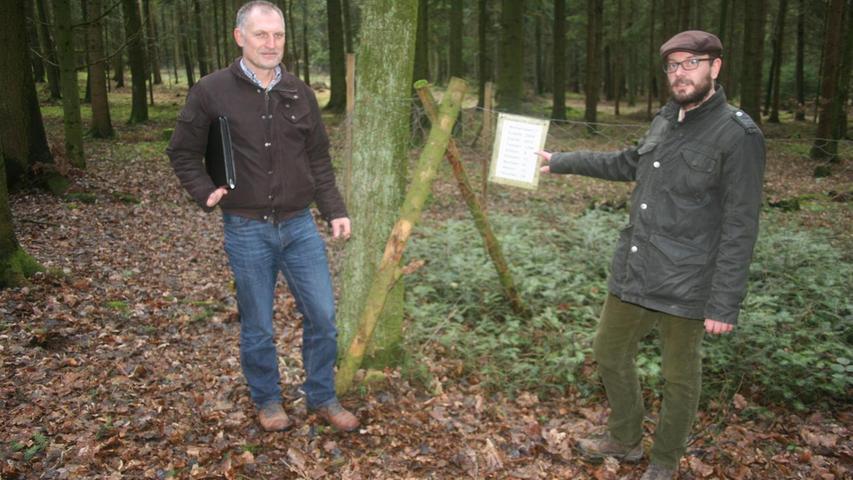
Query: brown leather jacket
[{"x": 281, "y": 149}]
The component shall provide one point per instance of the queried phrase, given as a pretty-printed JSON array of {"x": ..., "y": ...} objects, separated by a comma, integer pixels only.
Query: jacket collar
[
  {"x": 717, "y": 100},
  {"x": 287, "y": 84}
]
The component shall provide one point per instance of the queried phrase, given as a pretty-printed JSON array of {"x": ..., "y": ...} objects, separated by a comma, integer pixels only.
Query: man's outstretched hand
[
  {"x": 546, "y": 160},
  {"x": 341, "y": 228}
]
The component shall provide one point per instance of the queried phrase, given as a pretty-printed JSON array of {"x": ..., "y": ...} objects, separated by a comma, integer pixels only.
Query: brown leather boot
[
  {"x": 272, "y": 418},
  {"x": 338, "y": 417},
  {"x": 598, "y": 447}
]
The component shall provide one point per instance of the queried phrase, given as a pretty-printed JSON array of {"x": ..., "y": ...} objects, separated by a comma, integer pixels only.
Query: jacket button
[
  {"x": 259, "y": 91},
  {"x": 656, "y": 164},
  {"x": 269, "y": 196},
  {"x": 269, "y": 172},
  {"x": 633, "y": 249},
  {"x": 293, "y": 117},
  {"x": 296, "y": 97},
  {"x": 643, "y": 206},
  {"x": 287, "y": 105},
  {"x": 267, "y": 144}
]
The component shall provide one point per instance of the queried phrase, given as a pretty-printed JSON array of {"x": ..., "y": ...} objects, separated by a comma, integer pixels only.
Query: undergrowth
[{"x": 792, "y": 346}]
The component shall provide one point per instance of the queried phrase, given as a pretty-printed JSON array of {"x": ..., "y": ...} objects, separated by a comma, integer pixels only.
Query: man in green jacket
[{"x": 682, "y": 262}]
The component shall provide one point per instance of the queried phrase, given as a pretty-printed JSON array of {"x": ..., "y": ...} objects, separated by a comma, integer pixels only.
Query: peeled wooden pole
[
  {"x": 493, "y": 247},
  {"x": 388, "y": 272}
]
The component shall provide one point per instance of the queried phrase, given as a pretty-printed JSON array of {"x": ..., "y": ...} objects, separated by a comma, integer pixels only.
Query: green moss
[{"x": 17, "y": 268}]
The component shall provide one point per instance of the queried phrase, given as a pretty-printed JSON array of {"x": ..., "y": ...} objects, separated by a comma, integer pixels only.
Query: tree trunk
[
  {"x": 72, "y": 120},
  {"x": 539, "y": 56},
  {"x": 825, "y": 146},
  {"x": 592, "y": 85},
  {"x": 844, "y": 76},
  {"x": 388, "y": 272},
  {"x": 484, "y": 72},
  {"x": 47, "y": 46},
  {"x": 15, "y": 265},
  {"x": 776, "y": 71},
  {"x": 511, "y": 78},
  {"x": 653, "y": 70},
  {"x": 348, "y": 28},
  {"x": 457, "y": 67},
  {"x": 186, "y": 50},
  {"x": 32, "y": 34},
  {"x": 799, "y": 75},
  {"x": 117, "y": 38},
  {"x": 753, "y": 54},
  {"x": 307, "y": 65},
  {"x": 218, "y": 37},
  {"x": 337, "y": 62},
  {"x": 558, "y": 110},
  {"x": 617, "y": 61},
  {"x": 379, "y": 159},
  {"x": 153, "y": 43},
  {"x": 200, "y": 46},
  {"x": 22, "y": 135},
  {"x": 102, "y": 126},
  {"x": 136, "y": 56},
  {"x": 421, "y": 66}
]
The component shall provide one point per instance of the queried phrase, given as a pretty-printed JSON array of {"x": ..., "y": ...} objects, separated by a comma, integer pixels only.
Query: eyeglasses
[{"x": 689, "y": 64}]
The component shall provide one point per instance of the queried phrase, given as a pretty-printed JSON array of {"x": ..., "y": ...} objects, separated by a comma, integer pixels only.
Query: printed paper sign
[{"x": 514, "y": 159}]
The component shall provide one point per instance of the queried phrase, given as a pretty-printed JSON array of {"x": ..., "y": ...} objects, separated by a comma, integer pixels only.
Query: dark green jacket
[{"x": 694, "y": 210}]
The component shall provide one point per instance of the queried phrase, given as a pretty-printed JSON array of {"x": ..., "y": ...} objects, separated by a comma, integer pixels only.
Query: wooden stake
[{"x": 388, "y": 272}]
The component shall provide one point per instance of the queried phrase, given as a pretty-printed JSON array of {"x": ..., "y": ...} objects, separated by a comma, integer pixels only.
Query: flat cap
[{"x": 695, "y": 41}]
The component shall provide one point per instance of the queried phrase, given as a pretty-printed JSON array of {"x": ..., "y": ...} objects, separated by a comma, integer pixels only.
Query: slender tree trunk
[
  {"x": 653, "y": 71},
  {"x": 381, "y": 144},
  {"x": 484, "y": 71},
  {"x": 800, "y": 115},
  {"x": 32, "y": 34},
  {"x": 68, "y": 73},
  {"x": 826, "y": 142},
  {"x": 617, "y": 63},
  {"x": 539, "y": 56},
  {"x": 117, "y": 38},
  {"x": 345, "y": 5},
  {"x": 200, "y": 46},
  {"x": 101, "y": 123},
  {"x": 388, "y": 272},
  {"x": 844, "y": 76},
  {"x": 186, "y": 50},
  {"x": 337, "y": 61},
  {"x": 511, "y": 78},
  {"x": 52, "y": 66},
  {"x": 457, "y": 68},
  {"x": 421, "y": 66},
  {"x": 153, "y": 43},
  {"x": 218, "y": 38},
  {"x": 22, "y": 136},
  {"x": 777, "y": 60},
  {"x": 592, "y": 85},
  {"x": 136, "y": 56},
  {"x": 307, "y": 65},
  {"x": 753, "y": 54},
  {"x": 558, "y": 110}
]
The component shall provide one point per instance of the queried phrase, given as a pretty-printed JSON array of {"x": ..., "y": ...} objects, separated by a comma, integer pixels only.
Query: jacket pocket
[
  {"x": 619, "y": 266},
  {"x": 697, "y": 172},
  {"x": 675, "y": 269}
]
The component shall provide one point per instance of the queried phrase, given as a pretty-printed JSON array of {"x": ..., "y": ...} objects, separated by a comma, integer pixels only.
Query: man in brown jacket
[{"x": 282, "y": 164}]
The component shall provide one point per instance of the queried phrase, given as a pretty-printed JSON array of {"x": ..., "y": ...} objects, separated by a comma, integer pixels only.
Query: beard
[{"x": 691, "y": 98}]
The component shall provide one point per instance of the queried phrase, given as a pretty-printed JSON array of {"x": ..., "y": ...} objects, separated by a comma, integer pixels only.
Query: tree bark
[
  {"x": 102, "y": 126},
  {"x": 117, "y": 38},
  {"x": 484, "y": 71},
  {"x": 558, "y": 109},
  {"x": 421, "y": 66},
  {"x": 753, "y": 54},
  {"x": 511, "y": 78},
  {"x": 337, "y": 62},
  {"x": 776, "y": 71},
  {"x": 844, "y": 76},
  {"x": 490, "y": 241},
  {"x": 15, "y": 265},
  {"x": 348, "y": 28},
  {"x": 200, "y": 45},
  {"x": 47, "y": 46},
  {"x": 825, "y": 146},
  {"x": 618, "y": 60},
  {"x": 32, "y": 34},
  {"x": 379, "y": 160},
  {"x": 592, "y": 85},
  {"x": 136, "y": 56},
  {"x": 306, "y": 74},
  {"x": 71, "y": 117},
  {"x": 388, "y": 272},
  {"x": 153, "y": 43},
  {"x": 22, "y": 135},
  {"x": 457, "y": 67},
  {"x": 799, "y": 75},
  {"x": 186, "y": 50}
]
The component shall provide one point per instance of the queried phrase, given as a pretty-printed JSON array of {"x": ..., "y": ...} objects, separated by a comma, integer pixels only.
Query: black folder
[{"x": 219, "y": 156}]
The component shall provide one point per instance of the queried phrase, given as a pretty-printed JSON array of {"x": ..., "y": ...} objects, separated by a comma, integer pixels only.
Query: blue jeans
[{"x": 257, "y": 251}]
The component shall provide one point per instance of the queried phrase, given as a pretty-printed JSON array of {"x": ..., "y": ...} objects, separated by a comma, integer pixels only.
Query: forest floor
[{"x": 121, "y": 360}]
